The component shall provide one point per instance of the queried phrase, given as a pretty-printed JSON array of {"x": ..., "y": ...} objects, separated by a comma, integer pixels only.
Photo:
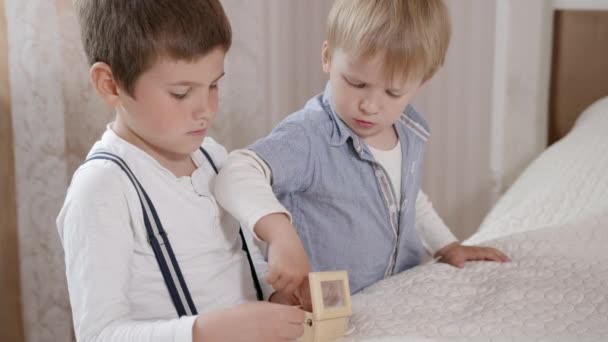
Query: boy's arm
[
  {"x": 433, "y": 232},
  {"x": 243, "y": 189},
  {"x": 441, "y": 243}
]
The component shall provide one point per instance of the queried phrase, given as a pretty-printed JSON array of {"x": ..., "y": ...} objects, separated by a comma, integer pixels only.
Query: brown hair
[
  {"x": 130, "y": 35},
  {"x": 415, "y": 34}
]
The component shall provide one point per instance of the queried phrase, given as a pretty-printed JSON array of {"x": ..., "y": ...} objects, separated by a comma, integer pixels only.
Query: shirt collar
[
  {"x": 132, "y": 153},
  {"x": 340, "y": 132}
]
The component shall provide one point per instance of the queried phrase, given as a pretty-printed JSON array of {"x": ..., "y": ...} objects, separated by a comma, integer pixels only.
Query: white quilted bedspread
[
  {"x": 567, "y": 181},
  {"x": 553, "y": 223}
]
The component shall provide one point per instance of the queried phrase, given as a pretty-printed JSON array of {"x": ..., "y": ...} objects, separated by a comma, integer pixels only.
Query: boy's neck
[
  {"x": 385, "y": 141},
  {"x": 178, "y": 164}
]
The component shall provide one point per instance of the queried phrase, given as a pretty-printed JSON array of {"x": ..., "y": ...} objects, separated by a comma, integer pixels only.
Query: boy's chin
[{"x": 365, "y": 133}]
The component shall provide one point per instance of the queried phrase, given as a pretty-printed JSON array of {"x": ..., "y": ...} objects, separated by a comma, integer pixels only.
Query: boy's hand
[
  {"x": 301, "y": 297},
  {"x": 288, "y": 264},
  {"x": 280, "y": 297},
  {"x": 456, "y": 254},
  {"x": 256, "y": 321}
]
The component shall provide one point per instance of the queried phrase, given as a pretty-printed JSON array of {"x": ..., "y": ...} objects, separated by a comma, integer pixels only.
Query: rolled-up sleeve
[
  {"x": 250, "y": 179},
  {"x": 433, "y": 232}
]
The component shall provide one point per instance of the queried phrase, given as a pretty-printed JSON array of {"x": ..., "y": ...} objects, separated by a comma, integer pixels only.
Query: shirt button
[
  {"x": 392, "y": 208},
  {"x": 378, "y": 173}
]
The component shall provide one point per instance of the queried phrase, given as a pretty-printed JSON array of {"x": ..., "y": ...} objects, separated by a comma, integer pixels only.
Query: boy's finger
[
  {"x": 484, "y": 254},
  {"x": 295, "y": 315},
  {"x": 492, "y": 257},
  {"x": 291, "y": 287},
  {"x": 291, "y": 332},
  {"x": 303, "y": 295},
  {"x": 272, "y": 277},
  {"x": 496, "y": 255},
  {"x": 280, "y": 284},
  {"x": 503, "y": 256}
]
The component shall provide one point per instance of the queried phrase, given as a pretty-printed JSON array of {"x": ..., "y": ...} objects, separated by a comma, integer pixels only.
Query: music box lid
[{"x": 330, "y": 295}]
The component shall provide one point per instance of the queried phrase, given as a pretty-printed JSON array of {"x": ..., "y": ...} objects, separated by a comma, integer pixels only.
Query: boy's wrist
[
  {"x": 445, "y": 248},
  {"x": 202, "y": 329}
]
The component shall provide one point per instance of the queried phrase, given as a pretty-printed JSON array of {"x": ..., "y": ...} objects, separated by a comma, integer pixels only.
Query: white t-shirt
[
  {"x": 117, "y": 291},
  {"x": 391, "y": 162}
]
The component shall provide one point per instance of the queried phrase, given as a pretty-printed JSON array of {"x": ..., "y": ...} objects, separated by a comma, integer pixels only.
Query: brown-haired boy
[{"x": 143, "y": 236}]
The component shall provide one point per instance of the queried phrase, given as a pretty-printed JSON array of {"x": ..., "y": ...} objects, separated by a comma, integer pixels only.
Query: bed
[{"x": 553, "y": 223}]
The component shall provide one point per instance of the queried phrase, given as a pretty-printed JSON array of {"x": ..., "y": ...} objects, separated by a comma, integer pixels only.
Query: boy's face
[
  {"x": 173, "y": 105},
  {"x": 364, "y": 98}
]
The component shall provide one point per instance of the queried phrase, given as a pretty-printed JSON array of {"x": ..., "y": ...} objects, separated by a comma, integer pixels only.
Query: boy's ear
[
  {"x": 325, "y": 57},
  {"x": 104, "y": 83}
]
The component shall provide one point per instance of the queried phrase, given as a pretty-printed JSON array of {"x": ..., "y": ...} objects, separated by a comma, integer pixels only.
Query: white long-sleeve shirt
[
  {"x": 244, "y": 189},
  {"x": 116, "y": 288}
]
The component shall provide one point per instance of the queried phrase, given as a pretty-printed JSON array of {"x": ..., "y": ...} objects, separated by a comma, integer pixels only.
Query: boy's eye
[
  {"x": 392, "y": 94},
  {"x": 354, "y": 84},
  {"x": 213, "y": 86},
  {"x": 180, "y": 96}
]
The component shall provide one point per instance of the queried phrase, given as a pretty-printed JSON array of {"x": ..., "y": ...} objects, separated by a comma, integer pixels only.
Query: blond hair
[{"x": 414, "y": 34}]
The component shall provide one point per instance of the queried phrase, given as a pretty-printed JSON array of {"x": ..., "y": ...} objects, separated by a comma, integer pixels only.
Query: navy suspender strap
[
  {"x": 157, "y": 237},
  {"x": 256, "y": 282},
  {"x": 159, "y": 241}
]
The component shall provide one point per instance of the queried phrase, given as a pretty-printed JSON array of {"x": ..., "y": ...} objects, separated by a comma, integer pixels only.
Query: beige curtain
[
  {"x": 272, "y": 69},
  {"x": 457, "y": 103},
  {"x": 11, "y": 326}
]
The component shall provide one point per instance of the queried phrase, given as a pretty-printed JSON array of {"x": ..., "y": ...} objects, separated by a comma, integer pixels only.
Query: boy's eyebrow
[
  {"x": 392, "y": 90},
  {"x": 192, "y": 83},
  {"x": 220, "y": 76},
  {"x": 351, "y": 76}
]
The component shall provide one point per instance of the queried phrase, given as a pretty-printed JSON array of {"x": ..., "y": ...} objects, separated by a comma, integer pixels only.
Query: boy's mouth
[
  {"x": 198, "y": 133},
  {"x": 364, "y": 124}
]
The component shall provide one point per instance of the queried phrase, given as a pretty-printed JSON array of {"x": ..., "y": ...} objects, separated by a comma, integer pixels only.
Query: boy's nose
[
  {"x": 202, "y": 108},
  {"x": 369, "y": 106}
]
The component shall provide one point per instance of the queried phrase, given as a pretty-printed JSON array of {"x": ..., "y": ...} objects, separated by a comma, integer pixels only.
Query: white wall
[{"x": 521, "y": 87}]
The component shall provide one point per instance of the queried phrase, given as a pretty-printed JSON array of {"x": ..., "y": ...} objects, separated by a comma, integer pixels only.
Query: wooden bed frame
[{"x": 579, "y": 73}]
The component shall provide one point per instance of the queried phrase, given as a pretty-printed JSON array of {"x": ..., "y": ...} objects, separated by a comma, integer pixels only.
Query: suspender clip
[{"x": 159, "y": 238}]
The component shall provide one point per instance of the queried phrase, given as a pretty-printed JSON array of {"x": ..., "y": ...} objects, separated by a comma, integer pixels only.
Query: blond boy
[{"x": 336, "y": 185}]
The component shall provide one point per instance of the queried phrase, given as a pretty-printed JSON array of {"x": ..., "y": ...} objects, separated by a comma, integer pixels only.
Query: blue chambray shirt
[{"x": 341, "y": 200}]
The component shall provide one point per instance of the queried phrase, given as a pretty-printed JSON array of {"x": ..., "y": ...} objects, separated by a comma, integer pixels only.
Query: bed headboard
[{"x": 579, "y": 72}]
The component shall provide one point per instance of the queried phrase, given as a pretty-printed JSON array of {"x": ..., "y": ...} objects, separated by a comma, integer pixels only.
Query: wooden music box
[{"x": 331, "y": 307}]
